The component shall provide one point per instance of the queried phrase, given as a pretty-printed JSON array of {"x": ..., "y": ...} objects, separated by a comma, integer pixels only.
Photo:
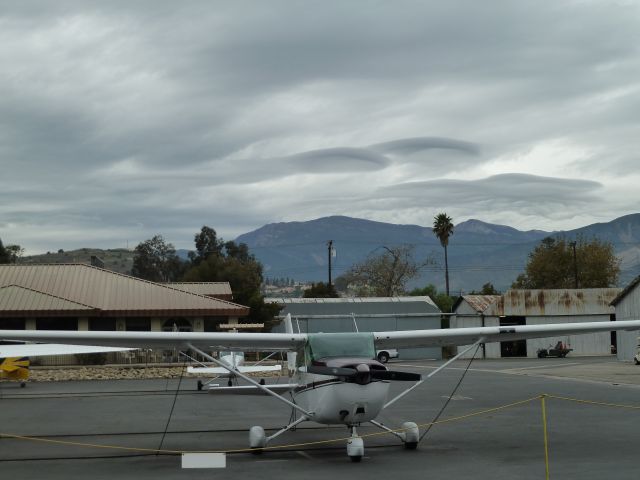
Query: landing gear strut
[{"x": 409, "y": 433}]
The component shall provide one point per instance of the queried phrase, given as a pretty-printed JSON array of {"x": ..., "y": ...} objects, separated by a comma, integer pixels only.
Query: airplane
[
  {"x": 235, "y": 360},
  {"x": 334, "y": 377},
  {"x": 15, "y": 359}
]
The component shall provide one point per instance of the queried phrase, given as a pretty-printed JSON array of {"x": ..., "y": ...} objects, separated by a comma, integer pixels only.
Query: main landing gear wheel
[
  {"x": 411, "y": 435},
  {"x": 200, "y": 385},
  {"x": 257, "y": 439}
]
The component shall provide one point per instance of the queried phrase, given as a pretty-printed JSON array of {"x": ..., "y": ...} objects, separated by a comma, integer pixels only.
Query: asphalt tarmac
[{"x": 586, "y": 441}]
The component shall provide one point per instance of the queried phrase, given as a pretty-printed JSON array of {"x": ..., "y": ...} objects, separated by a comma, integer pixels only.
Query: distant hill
[
  {"x": 118, "y": 260},
  {"x": 479, "y": 252}
]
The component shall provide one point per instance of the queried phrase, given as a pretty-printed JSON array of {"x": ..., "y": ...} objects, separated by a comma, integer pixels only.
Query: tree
[
  {"x": 552, "y": 264},
  {"x": 321, "y": 290},
  {"x": 156, "y": 260},
  {"x": 442, "y": 300},
  {"x": 234, "y": 263},
  {"x": 443, "y": 229},
  {"x": 487, "y": 289},
  {"x": 10, "y": 253},
  {"x": 4, "y": 255},
  {"x": 207, "y": 243},
  {"x": 385, "y": 275}
]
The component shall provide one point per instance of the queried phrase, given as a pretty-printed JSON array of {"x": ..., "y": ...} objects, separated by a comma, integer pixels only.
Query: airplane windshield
[{"x": 323, "y": 345}]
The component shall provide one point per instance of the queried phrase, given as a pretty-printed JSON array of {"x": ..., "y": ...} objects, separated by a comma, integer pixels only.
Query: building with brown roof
[{"x": 83, "y": 297}]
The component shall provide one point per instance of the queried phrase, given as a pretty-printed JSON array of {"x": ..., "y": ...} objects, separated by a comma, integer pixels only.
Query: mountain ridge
[{"x": 479, "y": 252}]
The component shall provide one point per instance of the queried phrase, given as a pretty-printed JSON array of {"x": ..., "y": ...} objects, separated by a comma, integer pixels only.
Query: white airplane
[
  {"x": 335, "y": 378},
  {"x": 235, "y": 360}
]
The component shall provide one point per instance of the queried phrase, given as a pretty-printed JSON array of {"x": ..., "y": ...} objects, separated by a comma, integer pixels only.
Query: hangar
[
  {"x": 627, "y": 306},
  {"x": 535, "y": 307},
  {"x": 371, "y": 314},
  {"x": 84, "y": 297}
]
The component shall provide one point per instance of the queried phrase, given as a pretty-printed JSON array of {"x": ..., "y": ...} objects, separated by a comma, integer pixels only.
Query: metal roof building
[
  {"x": 627, "y": 305},
  {"x": 535, "y": 307},
  {"x": 78, "y": 296},
  {"x": 221, "y": 290},
  {"x": 312, "y": 315}
]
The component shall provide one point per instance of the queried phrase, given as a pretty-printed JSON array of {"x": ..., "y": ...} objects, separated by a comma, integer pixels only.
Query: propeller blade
[
  {"x": 399, "y": 376},
  {"x": 332, "y": 371}
]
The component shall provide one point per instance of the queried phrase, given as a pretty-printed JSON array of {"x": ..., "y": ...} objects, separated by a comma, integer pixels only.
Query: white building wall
[
  {"x": 492, "y": 350},
  {"x": 588, "y": 344},
  {"x": 628, "y": 309}
]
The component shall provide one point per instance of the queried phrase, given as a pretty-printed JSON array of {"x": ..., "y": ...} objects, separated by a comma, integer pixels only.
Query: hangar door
[{"x": 515, "y": 348}]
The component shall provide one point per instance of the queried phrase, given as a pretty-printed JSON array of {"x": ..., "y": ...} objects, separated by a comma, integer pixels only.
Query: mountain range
[{"x": 479, "y": 252}]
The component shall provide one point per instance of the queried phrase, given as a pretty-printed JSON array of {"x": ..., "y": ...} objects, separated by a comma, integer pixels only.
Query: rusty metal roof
[
  {"x": 102, "y": 292},
  {"x": 583, "y": 301},
  {"x": 479, "y": 302},
  {"x": 211, "y": 289},
  {"x": 626, "y": 291}
]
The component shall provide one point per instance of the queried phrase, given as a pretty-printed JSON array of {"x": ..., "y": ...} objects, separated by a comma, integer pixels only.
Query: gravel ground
[{"x": 108, "y": 372}]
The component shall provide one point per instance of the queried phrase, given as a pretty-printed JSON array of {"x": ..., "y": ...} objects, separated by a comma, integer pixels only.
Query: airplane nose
[
  {"x": 363, "y": 376},
  {"x": 363, "y": 368}
]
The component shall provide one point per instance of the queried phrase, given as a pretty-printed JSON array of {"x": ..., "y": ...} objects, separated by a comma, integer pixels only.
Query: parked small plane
[
  {"x": 235, "y": 360},
  {"x": 14, "y": 359},
  {"x": 334, "y": 377}
]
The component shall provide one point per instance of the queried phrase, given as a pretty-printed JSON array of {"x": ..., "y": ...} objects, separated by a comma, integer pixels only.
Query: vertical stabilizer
[{"x": 291, "y": 356}]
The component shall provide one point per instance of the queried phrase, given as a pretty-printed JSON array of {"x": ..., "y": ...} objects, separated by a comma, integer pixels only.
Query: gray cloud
[
  {"x": 158, "y": 117},
  {"x": 407, "y": 146}
]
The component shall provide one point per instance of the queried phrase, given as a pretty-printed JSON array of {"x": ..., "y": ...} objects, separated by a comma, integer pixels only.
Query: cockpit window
[{"x": 324, "y": 345}]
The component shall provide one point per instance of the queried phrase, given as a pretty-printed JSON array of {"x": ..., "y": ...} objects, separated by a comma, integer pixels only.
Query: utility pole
[
  {"x": 575, "y": 264},
  {"x": 330, "y": 248}
]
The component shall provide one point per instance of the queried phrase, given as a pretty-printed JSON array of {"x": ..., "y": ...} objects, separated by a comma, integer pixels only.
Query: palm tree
[{"x": 443, "y": 229}]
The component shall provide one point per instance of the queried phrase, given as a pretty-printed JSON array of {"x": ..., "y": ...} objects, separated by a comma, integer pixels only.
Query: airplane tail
[
  {"x": 291, "y": 356},
  {"x": 14, "y": 368}
]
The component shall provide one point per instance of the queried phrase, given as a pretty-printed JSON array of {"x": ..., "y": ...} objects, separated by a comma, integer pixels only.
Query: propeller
[{"x": 364, "y": 370}]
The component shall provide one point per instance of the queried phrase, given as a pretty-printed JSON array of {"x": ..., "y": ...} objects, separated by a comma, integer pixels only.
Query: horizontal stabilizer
[
  {"x": 242, "y": 369},
  {"x": 252, "y": 390}
]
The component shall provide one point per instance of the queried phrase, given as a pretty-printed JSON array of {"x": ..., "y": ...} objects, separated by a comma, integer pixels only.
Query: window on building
[
  {"x": 177, "y": 325},
  {"x": 138, "y": 324},
  {"x": 57, "y": 323},
  {"x": 102, "y": 324},
  {"x": 12, "y": 323}
]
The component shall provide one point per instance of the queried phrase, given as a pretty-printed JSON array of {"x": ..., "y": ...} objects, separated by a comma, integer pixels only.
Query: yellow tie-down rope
[
  {"x": 322, "y": 442},
  {"x": 274, "y": 447}
]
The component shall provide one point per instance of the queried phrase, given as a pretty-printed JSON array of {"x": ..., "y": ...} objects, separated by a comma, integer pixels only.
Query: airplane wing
[
  {"x": 208, "y": 341},
  {"x": 291, "y": 341},
  {"x": 43, "y": 349},
  {"x": 466, "y": 336},
  {"x": 242, "y": 369}
]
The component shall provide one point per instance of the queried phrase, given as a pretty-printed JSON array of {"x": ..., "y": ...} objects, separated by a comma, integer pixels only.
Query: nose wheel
[{"x": 355, "y": 446}]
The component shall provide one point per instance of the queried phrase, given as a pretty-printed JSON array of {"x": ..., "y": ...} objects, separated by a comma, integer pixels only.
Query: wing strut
[
  {"x": 251, "y": 381},
  {"x": 417, "y": 384}
]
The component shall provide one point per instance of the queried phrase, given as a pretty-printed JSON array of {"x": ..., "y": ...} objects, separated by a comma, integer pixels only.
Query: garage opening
[{"x": 515, "y": 348}]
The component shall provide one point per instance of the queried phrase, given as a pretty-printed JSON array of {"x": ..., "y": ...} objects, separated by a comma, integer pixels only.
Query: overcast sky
[{"x": 121, "y": 120}]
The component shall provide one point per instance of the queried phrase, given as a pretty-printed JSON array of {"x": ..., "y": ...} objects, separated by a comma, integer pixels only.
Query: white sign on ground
[{"x": 204, "y": 460}]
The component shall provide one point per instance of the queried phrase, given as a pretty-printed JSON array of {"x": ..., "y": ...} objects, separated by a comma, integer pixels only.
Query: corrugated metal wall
[{"x": 628, "y": 309}]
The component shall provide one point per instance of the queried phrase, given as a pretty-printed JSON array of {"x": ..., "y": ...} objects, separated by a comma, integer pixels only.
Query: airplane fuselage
[{"x": 335, "y": 401}]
